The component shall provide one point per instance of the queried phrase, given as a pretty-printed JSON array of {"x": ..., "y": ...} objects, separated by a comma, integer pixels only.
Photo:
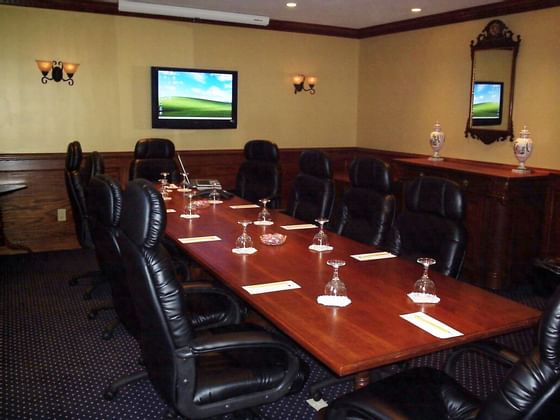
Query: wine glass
[
  {"x": 185, "y": 183},
  {"x": 244, "y": 240},
  {"x": 190, "y": 209},
  {"x": 164, "y": 184},
  {"x": 321, "y": 239},
  {"x": 214, "y": 196},
  {"x": 335, "y": 287},
  {"x": 424, "y": 285},
  {"x": 264, "y": 215}
]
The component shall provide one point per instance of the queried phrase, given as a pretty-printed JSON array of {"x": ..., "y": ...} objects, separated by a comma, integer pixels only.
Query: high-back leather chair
[
  {"x": 259, "y": 176},
  {"x": 530, "y": 390},
  {"x": 196, "y": 375},
  {"x": 312, "y": 194},
  {"x": 93, "y": 165},
  {"x": 75, "y": 188},
  {"x": 431, "y": 224},
  {"x": 368, "y": 206},
  {"x": 152, "y": 156}
]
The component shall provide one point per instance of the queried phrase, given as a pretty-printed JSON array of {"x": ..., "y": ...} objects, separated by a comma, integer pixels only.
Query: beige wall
[
  {"x": 410, "y": 80},
  {"x": 108, "y": 108}
]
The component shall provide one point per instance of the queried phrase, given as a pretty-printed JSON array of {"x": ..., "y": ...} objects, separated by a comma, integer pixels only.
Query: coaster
[
  {"x": 190, "y": 216},
  {"x": 339, "y": 301},
  {"x": 215, "y": 201},
  {"x": 263, "y": 222},
  {"x": 320, "y": 248},
  {"x": 244, "y": 251},
  {"x": 423, "y": 298}
]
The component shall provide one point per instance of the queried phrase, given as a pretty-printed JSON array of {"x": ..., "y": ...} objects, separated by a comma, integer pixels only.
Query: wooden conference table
[{"x": 369, "y": 332}]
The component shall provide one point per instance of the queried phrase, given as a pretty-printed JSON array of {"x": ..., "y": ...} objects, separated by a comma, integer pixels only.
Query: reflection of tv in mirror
[
  {"x": 487, "y": 103},
  {"x": 193, "y": 98}
]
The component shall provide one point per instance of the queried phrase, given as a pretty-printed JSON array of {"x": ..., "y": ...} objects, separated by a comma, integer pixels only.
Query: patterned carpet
[{"x": 55, "y": 365}]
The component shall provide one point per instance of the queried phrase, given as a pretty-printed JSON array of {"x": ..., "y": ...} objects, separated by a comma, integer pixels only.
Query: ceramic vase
[
  {"x": 437, "y": 138},
  {"x": 522, "y": 149}
]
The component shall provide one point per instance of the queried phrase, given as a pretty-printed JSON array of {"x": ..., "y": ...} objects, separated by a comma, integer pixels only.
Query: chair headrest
[
  {"x": 370, "y": 173},
  {"x": 144, "y": 217},
  {"x": 93, "y": 165},
  {"x": 73, "y": 156},
  {"x": 154, "y": 148},
  {"x": 315, "y": 163},
  {"x": 549, "y": 331},
  {"x": 435, "y": 195},
  {"x": 263, "y": 150},
  {"x": 105, "y": 195}
]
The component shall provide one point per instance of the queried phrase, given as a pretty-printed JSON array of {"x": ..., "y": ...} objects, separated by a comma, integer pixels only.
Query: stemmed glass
[
  {"x": 424, "y": 285},
  {"x": 214, "y": 197},
  {"x": 164, "y": 184},
  {"x": 263, "y": 217},
  {"x": 185, "y": 183},
  {"x": 190, "y": 210},
  {"x": 244, "y": 240},
  {"x": 321, "y": 240},
  {"x": 335, "y": 287}
]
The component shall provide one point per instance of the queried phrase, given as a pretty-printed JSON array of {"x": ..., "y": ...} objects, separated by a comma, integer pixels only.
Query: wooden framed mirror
[{"x": 493, "y": 57}]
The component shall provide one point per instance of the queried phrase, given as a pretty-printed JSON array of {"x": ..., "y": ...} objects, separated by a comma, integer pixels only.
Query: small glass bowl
[{"x": 273, "y": 238}]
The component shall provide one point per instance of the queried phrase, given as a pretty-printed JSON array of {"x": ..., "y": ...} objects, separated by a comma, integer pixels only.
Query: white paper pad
[
  {"x": 373, "y": 256},
  {"x": 423, "y": 298},
  {"x": 244, "y": 251},
  {"x": 190, "y": 216},
  {"x": 245, "y": 206},
  {"x": 302, "y": 226},
  {"x": 277, "y": 286},
  {"x": 320, "y": 248},
  {"x": 431, "y": 325},
  {"x": 196, "y": 239},
  {"x": 171, "y": 211},
  {"x": 339, "y": 301},
  {"x": 263, "y": 222}
]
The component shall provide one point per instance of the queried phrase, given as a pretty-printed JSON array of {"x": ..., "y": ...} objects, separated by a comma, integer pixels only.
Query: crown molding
[{"x": 506, "y": 7}]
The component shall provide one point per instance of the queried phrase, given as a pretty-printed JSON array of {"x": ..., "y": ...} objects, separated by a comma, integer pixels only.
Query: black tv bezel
[
  {"x": 478, "y": 122},
  {"x": 192, "y": 123}
]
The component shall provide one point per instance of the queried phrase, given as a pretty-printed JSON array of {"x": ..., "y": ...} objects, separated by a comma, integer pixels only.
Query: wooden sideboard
[{"x": 504, "y": 218}]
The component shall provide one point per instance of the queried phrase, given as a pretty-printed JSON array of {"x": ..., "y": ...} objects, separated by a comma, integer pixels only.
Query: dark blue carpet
[{"x": 55, "y": 365}]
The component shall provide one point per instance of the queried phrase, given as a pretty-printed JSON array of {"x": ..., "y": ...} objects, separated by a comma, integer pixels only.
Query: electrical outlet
[{"x": 61, "y": 215}]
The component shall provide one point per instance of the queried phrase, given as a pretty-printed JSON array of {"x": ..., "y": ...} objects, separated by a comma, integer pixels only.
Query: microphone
[{"x": 184, "y": 170}]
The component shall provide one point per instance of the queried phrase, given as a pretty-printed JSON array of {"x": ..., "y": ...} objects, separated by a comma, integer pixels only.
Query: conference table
[{"x": 366, "y": 334}]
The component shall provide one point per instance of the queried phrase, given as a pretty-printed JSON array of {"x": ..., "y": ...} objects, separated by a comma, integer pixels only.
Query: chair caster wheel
[
  {"x": 107, "y": 335},
  {"x": 317, "y": 396},
  {"x": 109, "y": 395},
  {"x": 92, "y": 314},
  {"x": 87, "y": 296},
  {"x": 72, "y": 282}
]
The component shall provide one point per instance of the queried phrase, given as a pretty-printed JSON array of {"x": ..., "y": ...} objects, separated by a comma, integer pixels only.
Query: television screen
[
  {"x": 193, "y": 98},
  {"x": 487, "y": 103}
]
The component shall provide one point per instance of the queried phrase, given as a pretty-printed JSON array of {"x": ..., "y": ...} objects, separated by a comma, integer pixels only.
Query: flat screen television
[
  {"x": 487, "y": 103},
  {"x": 193, "y": 98}
]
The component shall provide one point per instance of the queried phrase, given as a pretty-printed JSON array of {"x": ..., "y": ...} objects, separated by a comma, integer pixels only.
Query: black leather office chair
[
  {"x": 74, "y": 178},
  {"x": 259, "y": 176},
  {"x": 152, "y": 156},
  {"x": 312, "y": 194},
  {"x": 529, "y": 391},
  {"x": 368, "y": 206},
  {"x": 431, "y": 224},
  {"x": 208, "y": 306},
  {"x": 197, "y": 375}
]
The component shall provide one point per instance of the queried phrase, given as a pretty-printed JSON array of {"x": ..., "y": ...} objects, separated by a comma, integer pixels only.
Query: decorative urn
[
  {"x": 437, "y": 138},
  {"x": 522, "y": 149}
]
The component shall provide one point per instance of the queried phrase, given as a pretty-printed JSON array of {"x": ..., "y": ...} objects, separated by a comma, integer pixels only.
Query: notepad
[
  {"x": 244, "y": 206},
  {"x": 256, "y": 289},
  {"x": 431, "y": 325},
  {"x": 372, "y": 256},
  {"x": 197, "y": 239},
  {"x": 302, "y": 226}
]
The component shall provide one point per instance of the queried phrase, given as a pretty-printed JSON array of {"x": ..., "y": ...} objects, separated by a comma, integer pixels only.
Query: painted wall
[
  {"x": 108, "y": 108},
  {"x": 409, "y": 80}
]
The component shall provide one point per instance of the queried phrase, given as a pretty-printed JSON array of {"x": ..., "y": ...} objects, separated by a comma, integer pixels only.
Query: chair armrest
[
  {"x": 239, "y": 310},
  {"x": 489, "y": 349},
  {"x": 237, "y": 340}
]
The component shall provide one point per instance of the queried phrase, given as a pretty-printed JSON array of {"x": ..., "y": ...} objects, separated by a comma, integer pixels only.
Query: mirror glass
[{"x": 492, "y": 85}]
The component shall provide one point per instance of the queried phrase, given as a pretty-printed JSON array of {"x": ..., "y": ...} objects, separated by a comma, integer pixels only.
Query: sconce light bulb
[{"x": 311, "y": 80}]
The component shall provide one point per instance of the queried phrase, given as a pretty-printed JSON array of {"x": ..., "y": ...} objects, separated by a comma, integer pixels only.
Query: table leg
[{"x": 361, "y": 379}]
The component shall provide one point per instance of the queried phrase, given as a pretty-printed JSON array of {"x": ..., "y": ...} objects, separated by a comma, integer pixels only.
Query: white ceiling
[{"x": 353, "y": 14}]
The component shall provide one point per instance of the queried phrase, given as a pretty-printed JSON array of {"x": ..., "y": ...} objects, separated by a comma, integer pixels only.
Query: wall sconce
[
  {"x": 58, "y": 69},
  {"x": 299, "y": 81}
]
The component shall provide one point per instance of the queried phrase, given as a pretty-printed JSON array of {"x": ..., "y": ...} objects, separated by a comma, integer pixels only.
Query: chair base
[{"x": 112, "y": 390}]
